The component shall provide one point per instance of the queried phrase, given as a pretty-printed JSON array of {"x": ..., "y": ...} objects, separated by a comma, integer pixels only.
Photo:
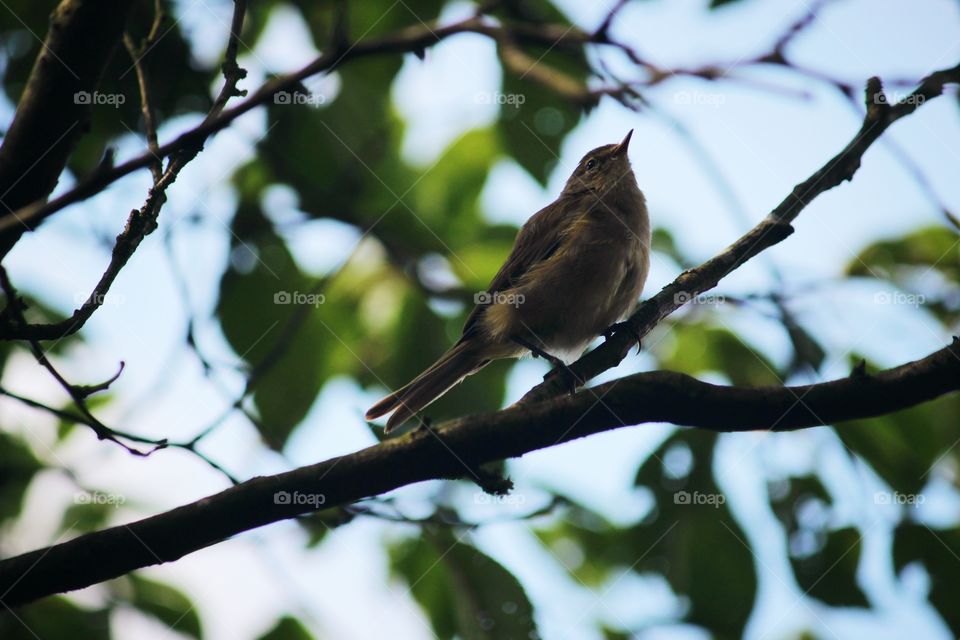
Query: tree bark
[
  {"x": 455, "y": 449},
  {"x": 50, "y": 115}
]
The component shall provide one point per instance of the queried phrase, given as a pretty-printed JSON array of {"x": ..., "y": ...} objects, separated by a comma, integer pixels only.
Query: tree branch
[
  {"x": 413, "y": 39},
  {"x": 142, "y": 222},
  {"x": 455, "y": 448},
  {"x": 774, "y": 228},
  {"x": 50, "y": 118}
]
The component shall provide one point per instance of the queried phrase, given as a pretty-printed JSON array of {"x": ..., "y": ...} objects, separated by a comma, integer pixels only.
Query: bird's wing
[{"x": 537, "y": 240}]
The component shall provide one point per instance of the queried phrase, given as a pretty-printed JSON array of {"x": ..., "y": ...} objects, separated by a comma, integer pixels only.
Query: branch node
[
  {"x": 876, "y": 100},
  {"x": 859, "y": 370},
  {"x": 492, "y": 481},
  {"x": 86, "y": 390}
]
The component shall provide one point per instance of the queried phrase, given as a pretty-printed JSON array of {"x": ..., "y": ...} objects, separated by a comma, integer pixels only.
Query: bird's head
[{"x": 601, "y": 169}]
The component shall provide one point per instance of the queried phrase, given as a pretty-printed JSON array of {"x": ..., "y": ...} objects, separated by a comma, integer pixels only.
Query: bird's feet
[
  {"x": 560, "y": 367},
  {"x": 570, "y": 377},
  {"x": 624, "y": 326}
]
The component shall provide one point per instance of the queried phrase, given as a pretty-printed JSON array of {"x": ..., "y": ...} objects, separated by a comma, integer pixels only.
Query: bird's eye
[{"x": 591, "y": 164}]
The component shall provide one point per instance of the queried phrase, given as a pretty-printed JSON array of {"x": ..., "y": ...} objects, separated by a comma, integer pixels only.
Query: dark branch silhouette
[
  {"x": 52, "y": 113},
  {"x": 771, "y": 230},
  {"x": 457, "y": 448}
]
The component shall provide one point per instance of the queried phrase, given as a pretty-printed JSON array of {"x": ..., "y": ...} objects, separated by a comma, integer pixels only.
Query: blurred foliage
[
  {"x": 679, "y": 538},
  {"x": 901, "y": 453},
  {"x": 372, "y": 321},
  {"x": 931, "y": 247},
  {"x": 824, "y": 559},
  {"x": 936, "y": 552},
  {"x": 166, "y": 604},
  {"x": 287, "y": 628},
  {"x": 690, "y": 509},
  {"x": 55, "y": 617},
  {"x": 699, "y": 348},
  {"x": 466, "y": 593},
  {"x": 924, "y": 265},
  {"x": 17, "y": 468}
]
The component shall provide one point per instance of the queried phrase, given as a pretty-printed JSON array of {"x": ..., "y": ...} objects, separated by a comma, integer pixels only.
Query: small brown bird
[{"x": 576, "y": 268}]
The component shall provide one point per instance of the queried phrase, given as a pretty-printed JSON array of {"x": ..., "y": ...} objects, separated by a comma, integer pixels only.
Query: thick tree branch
[
  {"x": 50, "y": 117},
  {"x": 455, "y": 448}
]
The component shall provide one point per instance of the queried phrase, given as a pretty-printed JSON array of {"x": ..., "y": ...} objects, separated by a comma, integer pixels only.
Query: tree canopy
[{"x": 228, "y": 227}]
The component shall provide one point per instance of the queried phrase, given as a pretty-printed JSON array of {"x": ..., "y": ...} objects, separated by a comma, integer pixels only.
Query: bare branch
[
  {"x": 455, "y": 448},
  {"x": 51, "y": 113},
  {"x": 771, "y": 230},
  {"x": 142, "y": 222}
]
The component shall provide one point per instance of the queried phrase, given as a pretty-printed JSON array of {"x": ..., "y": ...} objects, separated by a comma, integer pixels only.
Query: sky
[{"x": 763, "y": 141}]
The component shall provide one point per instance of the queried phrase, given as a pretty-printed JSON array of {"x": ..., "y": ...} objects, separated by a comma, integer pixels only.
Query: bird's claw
[{"x": 570, "y": 378}]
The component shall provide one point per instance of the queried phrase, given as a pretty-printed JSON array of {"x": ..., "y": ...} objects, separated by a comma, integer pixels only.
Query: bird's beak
[{"x": 622, "y": 147}]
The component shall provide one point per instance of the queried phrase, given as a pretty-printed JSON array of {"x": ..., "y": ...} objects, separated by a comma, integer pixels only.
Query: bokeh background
[{"x": 339, "y": 238}]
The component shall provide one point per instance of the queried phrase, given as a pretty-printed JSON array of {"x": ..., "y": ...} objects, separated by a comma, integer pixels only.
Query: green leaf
[
  {"x": 166, "y": 604},
  {"x": 17, "y": 468},
  {"x": 534, "y": 120},
  {"x": 417, "y": 339},
  {"x": 287, "y": 628},
  {"x": 690, "y": 538},
  {"x": 903, "y": 446},
  {"x": 94, "y": 402},
  {"x": 806, "y": 349},
  {"x": 691, "y": 509},
  {"x": 466, "y": 593},
  {"x": 475, "y": 265},
  {"x": 800, "y": 490},
  {"x": 55, "y": 617},
  {"x": 270, "y": 317},
  {"x": 612, "y": 634},
  {"x": 86, "y": 517},
  {"x": 913, "y": 260},
  {"x": 927, "y": 247},
  {"x": 937, "y": 550},
  {"x": 447, "y": 194},
  {"x": 367, "y": 19},
  {"x": 698, "y": 348},
  {"x": 661, "y": 241},
  {"x": 178, "y": 84},
  {"x": 714, "y": 4},
  {"x": 829, "y": 574},
  {"x": 319, "y": 523}
]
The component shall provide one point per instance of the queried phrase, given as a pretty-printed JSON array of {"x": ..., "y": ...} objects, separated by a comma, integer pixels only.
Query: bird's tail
[{"x": 456, "y": 364}]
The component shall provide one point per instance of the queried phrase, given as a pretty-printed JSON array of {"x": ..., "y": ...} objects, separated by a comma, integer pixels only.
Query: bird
[{"x": 576, "y": 269}]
